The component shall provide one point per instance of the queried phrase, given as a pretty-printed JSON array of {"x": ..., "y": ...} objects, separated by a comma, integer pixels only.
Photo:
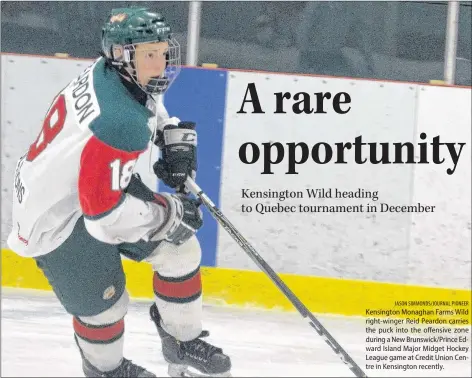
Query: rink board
[
  {"x": 431, "y": 249},
  {"x": 335, "y": 263},
  {"x": 253, "y": 289}
]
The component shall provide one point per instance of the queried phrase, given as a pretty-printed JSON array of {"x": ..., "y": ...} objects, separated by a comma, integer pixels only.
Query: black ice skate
[
  {"x": 186, "y": 357},
  {"x": 126, "y": 370}
]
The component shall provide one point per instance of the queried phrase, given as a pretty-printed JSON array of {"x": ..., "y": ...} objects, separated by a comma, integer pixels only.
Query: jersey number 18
[{"x": 121, "y": 175}]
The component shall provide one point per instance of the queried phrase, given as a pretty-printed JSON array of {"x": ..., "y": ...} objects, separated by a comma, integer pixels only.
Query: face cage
[{"x": 160, "y": 84}]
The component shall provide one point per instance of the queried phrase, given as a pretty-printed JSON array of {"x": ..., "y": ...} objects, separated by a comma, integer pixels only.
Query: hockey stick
[{"x": 249, "y": 249}]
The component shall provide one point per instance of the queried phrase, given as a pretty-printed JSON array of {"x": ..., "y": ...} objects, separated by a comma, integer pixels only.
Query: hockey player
[{"x": 78, "y": 206}]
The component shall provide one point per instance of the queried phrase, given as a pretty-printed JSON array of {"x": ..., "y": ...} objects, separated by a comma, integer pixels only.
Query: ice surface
[{"x": 37, "y": 341}]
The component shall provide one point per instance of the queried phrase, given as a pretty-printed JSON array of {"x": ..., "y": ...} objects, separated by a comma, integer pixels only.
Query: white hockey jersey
[{"x": 80, "y": 164}]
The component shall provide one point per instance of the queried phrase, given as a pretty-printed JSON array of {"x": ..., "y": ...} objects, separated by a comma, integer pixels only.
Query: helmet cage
[{"x": 126, "y": 54}]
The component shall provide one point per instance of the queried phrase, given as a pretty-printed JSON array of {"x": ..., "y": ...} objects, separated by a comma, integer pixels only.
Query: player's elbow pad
[{"x": 131, "y": 221}]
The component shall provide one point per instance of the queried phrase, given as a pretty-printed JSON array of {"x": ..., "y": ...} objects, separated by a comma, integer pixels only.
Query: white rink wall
[{"x": 432, "y": 249}]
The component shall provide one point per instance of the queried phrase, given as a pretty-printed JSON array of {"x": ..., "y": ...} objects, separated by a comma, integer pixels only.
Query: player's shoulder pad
[{"x": 123, "y": 122}]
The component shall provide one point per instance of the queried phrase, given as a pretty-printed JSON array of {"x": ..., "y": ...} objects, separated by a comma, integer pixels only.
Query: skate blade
[{"x": 184, "y": 371}]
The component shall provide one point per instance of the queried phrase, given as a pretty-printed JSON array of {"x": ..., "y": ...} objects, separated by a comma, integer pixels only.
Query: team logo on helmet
[{"x": 118, "y": 17}]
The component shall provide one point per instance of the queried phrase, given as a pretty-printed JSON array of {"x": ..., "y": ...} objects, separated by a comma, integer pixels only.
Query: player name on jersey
[
  {"x": 19, "y": 186},
  {"x": 83, "y": 101}
]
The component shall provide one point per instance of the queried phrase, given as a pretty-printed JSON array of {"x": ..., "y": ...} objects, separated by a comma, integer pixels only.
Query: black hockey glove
[
  {"x": 184, "y": 217},
  {"x": 179, "y": 154}
]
